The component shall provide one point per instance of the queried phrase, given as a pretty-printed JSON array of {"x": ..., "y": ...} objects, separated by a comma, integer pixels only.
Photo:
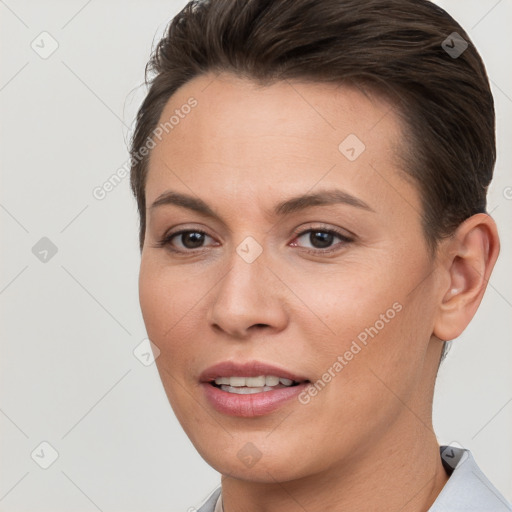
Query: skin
[{"x": 366, "y": 439}]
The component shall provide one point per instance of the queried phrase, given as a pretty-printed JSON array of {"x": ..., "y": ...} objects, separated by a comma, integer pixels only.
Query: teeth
[
  {"x": 263, "y": 381},
  {"x": 242, "y": 390},
  {"x": 255, "y": 382},
  {"x": 237, "y": 381},
  {"x": 247, "y": 391}
]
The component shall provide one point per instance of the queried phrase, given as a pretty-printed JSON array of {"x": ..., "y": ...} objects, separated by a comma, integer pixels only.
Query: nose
[{"x": 248, "y": 298}]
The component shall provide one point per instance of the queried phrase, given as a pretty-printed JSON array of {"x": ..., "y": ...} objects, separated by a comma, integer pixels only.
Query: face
[{"x": 335, "y": 291}]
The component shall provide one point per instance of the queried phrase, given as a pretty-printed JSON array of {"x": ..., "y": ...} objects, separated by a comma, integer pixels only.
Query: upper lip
[{"x": 247, "y": 369}]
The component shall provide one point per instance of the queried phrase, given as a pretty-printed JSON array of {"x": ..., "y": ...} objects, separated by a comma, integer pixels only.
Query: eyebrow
[{"x": 286, "y": 207}]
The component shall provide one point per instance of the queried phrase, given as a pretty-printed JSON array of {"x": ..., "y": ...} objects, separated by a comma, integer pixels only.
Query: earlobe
[{"x": 470, "y": 256}]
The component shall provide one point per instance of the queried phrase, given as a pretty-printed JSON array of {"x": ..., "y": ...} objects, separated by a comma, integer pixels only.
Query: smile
[
  {"x": 250, "y": 385},
  {"x": 250, "y": 388}
]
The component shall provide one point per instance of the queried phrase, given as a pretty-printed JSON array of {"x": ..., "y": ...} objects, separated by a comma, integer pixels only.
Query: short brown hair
[{"x": 395, "y": 47}]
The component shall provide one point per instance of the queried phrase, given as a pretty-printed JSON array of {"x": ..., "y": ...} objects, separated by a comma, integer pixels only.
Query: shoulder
[{"x": 467, "y": 489}]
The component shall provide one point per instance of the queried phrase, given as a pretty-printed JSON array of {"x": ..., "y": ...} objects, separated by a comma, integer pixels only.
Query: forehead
[{"x": 288, "y": 135}]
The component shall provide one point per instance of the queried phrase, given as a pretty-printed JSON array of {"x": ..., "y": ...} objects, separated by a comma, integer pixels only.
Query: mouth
[
  {"x": 250, "y": 385},
  {"x": 250, "y": 389}
]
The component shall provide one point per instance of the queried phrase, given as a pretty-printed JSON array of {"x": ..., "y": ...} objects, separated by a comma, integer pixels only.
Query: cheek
[
  {"x": 168, "y": 303},
  {"x": 343, "y": 302},
  {"x": 168, "y": 298},
  {"x": 367, "y": 316}
]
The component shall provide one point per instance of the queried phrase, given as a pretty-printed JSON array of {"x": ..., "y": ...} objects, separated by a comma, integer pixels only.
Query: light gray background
[{"x": 70, "y": 325}]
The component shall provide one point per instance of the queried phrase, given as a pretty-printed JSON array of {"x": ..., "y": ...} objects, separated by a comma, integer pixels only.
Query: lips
[
  {"x": 239, "y": 399},
  {"x": 247, "y": 369}
]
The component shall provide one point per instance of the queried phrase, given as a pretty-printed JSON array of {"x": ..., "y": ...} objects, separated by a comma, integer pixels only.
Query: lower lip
[{"x": 255, "y": 404}]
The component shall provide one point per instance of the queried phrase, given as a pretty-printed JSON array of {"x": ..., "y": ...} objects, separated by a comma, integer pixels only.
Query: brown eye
[
  {"x": 321, "y": 240},
  {"x": 184, "y": 240},
  {"x": 192, "y": 239}
]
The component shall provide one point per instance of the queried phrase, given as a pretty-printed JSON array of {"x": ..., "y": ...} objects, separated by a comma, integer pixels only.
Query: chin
[
  {"x": 252, "y": 457},
  {"x": 269, "y": 471}
]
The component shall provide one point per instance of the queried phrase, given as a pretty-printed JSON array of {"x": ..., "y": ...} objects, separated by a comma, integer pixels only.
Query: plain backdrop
[{"x": 70, "y": 318}]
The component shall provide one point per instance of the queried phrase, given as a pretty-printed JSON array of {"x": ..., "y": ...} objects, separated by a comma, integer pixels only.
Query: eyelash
[
  {"x": 166, "y": 240},
  {"x": 330, "y": 231}
]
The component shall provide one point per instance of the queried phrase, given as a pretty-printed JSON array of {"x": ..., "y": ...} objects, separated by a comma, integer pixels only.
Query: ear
[{"x": 468, "y": 259}]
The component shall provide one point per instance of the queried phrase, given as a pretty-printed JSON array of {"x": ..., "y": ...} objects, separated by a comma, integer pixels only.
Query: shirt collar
[{"x": 467, "y": 489}]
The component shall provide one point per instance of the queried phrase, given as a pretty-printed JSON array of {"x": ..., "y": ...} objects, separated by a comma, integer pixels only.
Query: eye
[
  {"x": 322, "y": 239},
  {"x": 184, "y": 240}
]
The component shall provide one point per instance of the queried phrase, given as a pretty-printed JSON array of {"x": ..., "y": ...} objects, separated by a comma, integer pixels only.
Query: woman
[{"x": 311, "y": 179}]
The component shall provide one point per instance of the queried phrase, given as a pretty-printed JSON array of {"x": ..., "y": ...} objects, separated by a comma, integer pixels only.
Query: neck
[{"x": 403, "y": 474}]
